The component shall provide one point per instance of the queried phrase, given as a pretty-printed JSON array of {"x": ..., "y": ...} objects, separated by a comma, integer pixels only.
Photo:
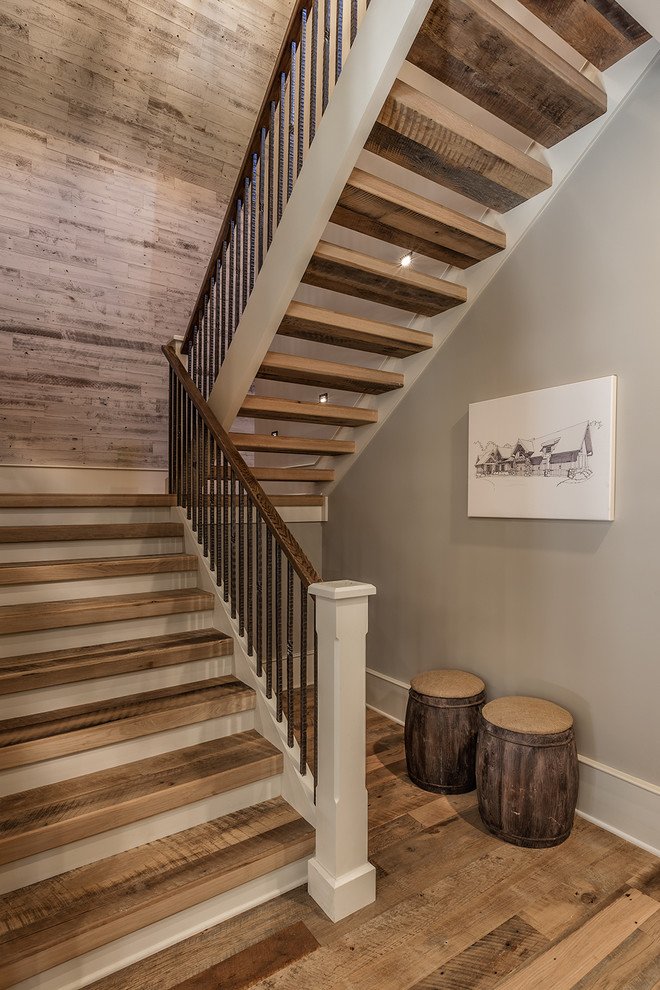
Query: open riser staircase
[
  {"x": 155, "y": 758},
  {"x": 136, "y": 791}
]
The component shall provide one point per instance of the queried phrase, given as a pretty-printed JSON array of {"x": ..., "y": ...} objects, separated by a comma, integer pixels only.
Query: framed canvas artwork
[{"x": 547, "y": 454}]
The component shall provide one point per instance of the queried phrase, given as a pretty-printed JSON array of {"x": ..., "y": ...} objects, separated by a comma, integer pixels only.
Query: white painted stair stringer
[{"x": 619, "y": 82}]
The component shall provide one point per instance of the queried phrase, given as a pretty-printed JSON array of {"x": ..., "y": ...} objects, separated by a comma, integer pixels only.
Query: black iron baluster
[
  {"x": 289, "y": 653},
  {"x": 313, "y": 69},
  {"x": 238, "y": 305},
  {"x": 211, "y": 365},
  {"x": 260, "y": 590},
  {"x": 226, "y": 536},
  {"x": 223, "y": 305},
  {"x": 292, "y": 121},
  {"x": 340, "y": 37},
  {"x": 171, "y": 428},
  {"x": 249, "y": 599},
  {"x": 354, "y": 19},
  {"x": 271, "y": 172},
  {"x": 189, "y": 457},
  {"x": 200, "y": 477},
  {"x": 232, "y": 540},
  {"x": 303, "y": 678},
  {"x": 179, "y": 447},
  {"x": 278, "y": 632},
  {"x": 199, "y": 342},
  {"x": 280, "y": 149},
  {"x": 262, "y": 191},
  {"x": 326, "y": 56},
  {"x": 218, "y": 324},
  {"x": 191, "y": 351},
  {"x": 213, "y": 481},
  {"x": 205, "y": 348},
  {"x": 241, "y": 560},
  {"x": 231, "y": 284},
  {"x": 205, "y": 489},
  {"x": 269, "y": 614},
  {"x": 301, "y": 92},
  {"x": 246, "y": 244},
  {"x": 253, "y": 224}
]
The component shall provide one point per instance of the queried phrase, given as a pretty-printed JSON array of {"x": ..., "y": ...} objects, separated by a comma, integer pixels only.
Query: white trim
[{"x": 615, "y": 800}]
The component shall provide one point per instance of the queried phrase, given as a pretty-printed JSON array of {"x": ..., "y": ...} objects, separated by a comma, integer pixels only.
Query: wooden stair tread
[
  {"x": 380, "y": 209},
  {"x": 355, "y": 274},
  {"x": 293, "y": 474},
  {"x": 343, "y": 330},
  {"x": 30, "y": 616},
  {"x": 420, "y": 134},
  {"x": 291, "y": 445},
  {"x": 98, "y": 903},
  {"x": 327, "y": 374},
  {"x": 46, "y": 735},
  {"x": 268, "y": 407},
  {"x": 42, "y": 572},
  {"x": 55, "y": 814},
  {"x": 36, "y": 670},
  {"x": 95, "y": 531},
  {"x": 603, "y": 32},
  {"x": 482, "y": 52},
  {"x": 48, "y": 500}
]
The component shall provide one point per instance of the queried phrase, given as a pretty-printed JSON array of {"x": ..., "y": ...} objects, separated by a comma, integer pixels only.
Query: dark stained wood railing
[
  {"x": 309, "y": 64},
  {"x": 261, "y": 570}
]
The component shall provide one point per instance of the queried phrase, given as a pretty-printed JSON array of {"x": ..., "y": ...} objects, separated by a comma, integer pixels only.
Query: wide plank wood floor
[{"x": 456, "y": 909}]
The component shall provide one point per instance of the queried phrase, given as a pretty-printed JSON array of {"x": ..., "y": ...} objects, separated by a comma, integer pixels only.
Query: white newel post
[{"x": 340, "y": 877}]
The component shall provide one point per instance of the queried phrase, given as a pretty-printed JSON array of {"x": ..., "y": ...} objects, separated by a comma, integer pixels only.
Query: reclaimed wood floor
[{"x": 456, "y": 909}]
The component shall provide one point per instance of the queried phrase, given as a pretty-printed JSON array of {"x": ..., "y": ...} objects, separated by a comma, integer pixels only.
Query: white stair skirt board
[
  {"x": 124, "y": 951},
  {"x": 610, "y": 798},
  {"x": 95, "y": 847},
  {"x": 63, "y": 480},
  {"x": 115, "y": 686},
  {"x": 116, "y": 754}
]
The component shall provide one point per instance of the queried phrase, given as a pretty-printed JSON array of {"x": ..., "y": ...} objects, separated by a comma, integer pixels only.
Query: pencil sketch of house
[{"x": 563, "y": 454}]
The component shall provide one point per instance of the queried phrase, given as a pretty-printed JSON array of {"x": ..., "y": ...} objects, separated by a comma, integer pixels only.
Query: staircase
[
  {"x": 459, "y": 142},
  {"x": 136, "y": 791}
]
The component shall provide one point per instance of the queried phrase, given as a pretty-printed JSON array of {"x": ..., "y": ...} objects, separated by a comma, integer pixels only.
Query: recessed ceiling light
[{"x": 406, "y": 261}]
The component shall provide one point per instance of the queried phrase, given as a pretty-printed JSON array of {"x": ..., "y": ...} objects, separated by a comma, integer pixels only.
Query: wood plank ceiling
[{"x": 122, "y": 126}]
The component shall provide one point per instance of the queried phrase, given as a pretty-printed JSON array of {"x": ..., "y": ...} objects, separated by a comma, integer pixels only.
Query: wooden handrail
[
  {"x": 271, "y": 517},
  {"x": 281, "y": 65}
]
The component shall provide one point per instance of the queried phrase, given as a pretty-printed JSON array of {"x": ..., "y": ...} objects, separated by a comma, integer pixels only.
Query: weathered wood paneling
[{"x": 122, "y": 126}]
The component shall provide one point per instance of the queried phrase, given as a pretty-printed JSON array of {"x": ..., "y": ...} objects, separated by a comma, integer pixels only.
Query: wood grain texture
[
  {"x": 37, "y": 670},
  {"x": 451, "y": 904},
  {"x": 357, "y": 274},
  {"x": 380, "y": 209},
  {"x": 107, "y": 608},
  {"x": 44, "y": 572},
  {"x": 327, "y": 374},
  {"x": 48, "y": 500},
  {"x": 268, "y": 407},
  {"x": 43, "y": 925},
  {"x": 124, "y": 124},
  {"x": 601, "y": 30},
  {"x": 420, "y": 134},
  {"x": 55, "y": 814},
  {"x": 291, "y": 445},
  {"x": 71, "y": 730},
  {"x": 326, "y": 326},
  {"x": 478, "y": 49},
  {"x": 94, "y": 531}
]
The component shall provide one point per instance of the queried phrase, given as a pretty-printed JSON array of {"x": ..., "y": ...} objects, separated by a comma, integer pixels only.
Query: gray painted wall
[{"x": 565, "y": 610}]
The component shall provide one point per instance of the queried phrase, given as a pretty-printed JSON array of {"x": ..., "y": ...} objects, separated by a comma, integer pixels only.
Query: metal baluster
[
  {"x": 199, "y": 342},
  {"x": 246, "y": 244},
  {"x": 238, "y": 308},
  {"x": 280, "y": 149},
  {"x": 171, "y": 428},
  {"x": 231, "y": 281},
  {"x": 313, "y": 70},
  {"x": 301, "y": 92},
  {"x": 218, "y": 324},
  {"x": 262, "y": 191},
  {"x": 326, "y": 56},
  {"x": 340, "y": 37},
  {"x": 200, "y": 477},
  {"x": 205, "y": 489},
  {"x": 213, "y": 484},
  {"x": 354, "y": 19},
  {"x": 292, "y": 121},
  {"x": 179, "y": 443},
  {"x": 260, "y": 591},
  {"x": 223, "y": 305},
  {"x": 210, "y": 373},
  {"x": 249, "y": 601},
  {"x": 205, "y": 348},
  {"x": 278, "y": 632},
  {"x": 253, "y": 223},
  {"x": 289, "y": 652},
  {"x": 232, "y": 540},
  {"x": 271, "y": 172},
  {"x": 192, "y": 354},
  {"x": 241, "y": 560},
  {"x": 269, "y": 614},
  {"x": 225, "y": 527},
  {"x": 303, "y": 678},
  {"x": 189, "y": 457}
]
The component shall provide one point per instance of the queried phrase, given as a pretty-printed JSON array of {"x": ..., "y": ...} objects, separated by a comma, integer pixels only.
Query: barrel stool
[
  {"x": 527, "y": 772},
  {"x": 442, "y": 722}
]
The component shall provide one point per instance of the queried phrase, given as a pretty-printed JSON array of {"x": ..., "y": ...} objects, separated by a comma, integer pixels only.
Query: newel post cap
[{"x": 341, "y": 589}]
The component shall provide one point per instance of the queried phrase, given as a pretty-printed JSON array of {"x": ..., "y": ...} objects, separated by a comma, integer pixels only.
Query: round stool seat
[
  {"x": 442, "y": 722},
  {"x": 527, "y": 772}
]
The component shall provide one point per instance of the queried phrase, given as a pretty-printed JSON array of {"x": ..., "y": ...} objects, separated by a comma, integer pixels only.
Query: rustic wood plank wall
[{"x": 122, "y": 127}]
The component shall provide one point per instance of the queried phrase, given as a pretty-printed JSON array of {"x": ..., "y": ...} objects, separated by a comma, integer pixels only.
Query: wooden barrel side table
[
  {"x": 442, "y": 722},
  {"x": 527, "y": 771}
]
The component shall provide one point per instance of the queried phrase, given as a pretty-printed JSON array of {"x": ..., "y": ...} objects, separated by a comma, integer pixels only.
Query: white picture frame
[{"x": 547, "y": 454}]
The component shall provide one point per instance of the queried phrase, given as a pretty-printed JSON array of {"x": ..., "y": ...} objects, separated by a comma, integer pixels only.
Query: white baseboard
[
  {"x": 66, "y": 479},
  {"x": 614, "y": 800}
]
